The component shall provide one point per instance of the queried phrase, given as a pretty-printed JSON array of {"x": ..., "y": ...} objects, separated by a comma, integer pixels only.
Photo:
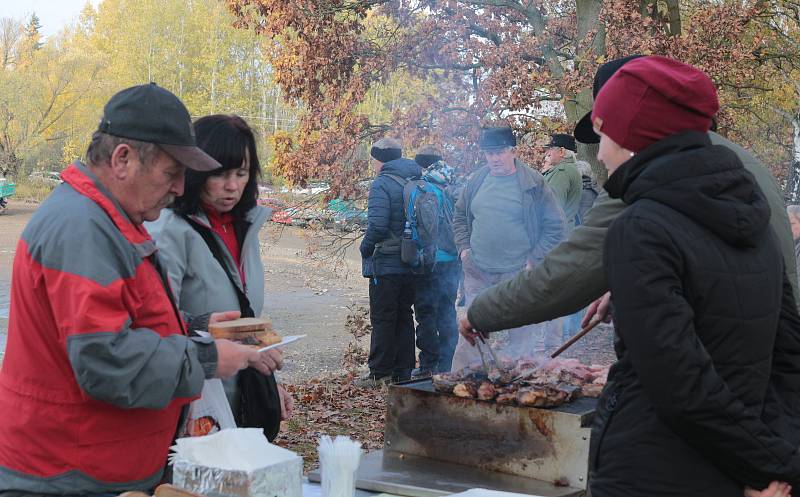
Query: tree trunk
[
  {"x": 644, "y": 8},
  {"x": 275, "y": 110},
  {"x": 588, "y": 152},
  {"x": 587, "y": 13},
  {"x": 674, "y": 9},
  {"x": 214, "y": 87},
  {"x": 588, "y": 17},
  {"x": 793, "y": 183}
]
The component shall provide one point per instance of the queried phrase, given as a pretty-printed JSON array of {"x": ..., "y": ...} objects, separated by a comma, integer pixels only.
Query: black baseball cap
[
  {"x": 584, "y": 131},
  {"x": 495, "y": 138},
  {"x": 152, "y": 114},
  {"x": 562, "y": 140}
]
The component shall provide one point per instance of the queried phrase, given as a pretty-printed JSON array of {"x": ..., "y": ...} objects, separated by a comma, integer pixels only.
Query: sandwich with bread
[{"x": 255, "y": 332}]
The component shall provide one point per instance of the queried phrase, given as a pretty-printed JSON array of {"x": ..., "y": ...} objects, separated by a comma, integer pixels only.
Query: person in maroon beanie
[{"x": 704, "y": 397}]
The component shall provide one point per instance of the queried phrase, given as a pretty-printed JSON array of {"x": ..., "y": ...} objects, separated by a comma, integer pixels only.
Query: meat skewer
[{"x": 594, "y": 322}]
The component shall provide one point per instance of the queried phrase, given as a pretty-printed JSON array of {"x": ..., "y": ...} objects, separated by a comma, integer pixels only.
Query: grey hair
[
  {"x": 793, "y": 211},
  {"x": 103, "y": 145},
  {"x": 569, "y": 154},
  {"x": 584, "y": 168},
  {"x": 387, "y": 142}
]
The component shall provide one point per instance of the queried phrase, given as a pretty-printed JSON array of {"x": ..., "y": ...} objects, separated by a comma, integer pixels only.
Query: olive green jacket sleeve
[{"x": 568, "y": 279}]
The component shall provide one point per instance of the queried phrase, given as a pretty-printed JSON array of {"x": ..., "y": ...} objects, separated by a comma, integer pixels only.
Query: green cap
[{"x": 152, "y": 114}]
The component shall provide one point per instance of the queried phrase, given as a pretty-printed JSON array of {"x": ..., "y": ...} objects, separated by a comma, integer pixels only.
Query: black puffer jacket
[
  {"x": 704, "y": 398},
  {"x": 386, "y": 217}
]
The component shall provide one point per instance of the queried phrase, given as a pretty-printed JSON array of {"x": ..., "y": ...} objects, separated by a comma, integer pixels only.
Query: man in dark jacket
[
  {"x": 507, "y": 219},
  {"x": 434, "y": 305},
  {"x": 704, "y": 397},
  {"x": 391, "y": 283}
]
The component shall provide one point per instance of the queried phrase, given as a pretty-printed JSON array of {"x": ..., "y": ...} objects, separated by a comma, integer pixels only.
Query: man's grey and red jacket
[{"x": 98, "y": 364}]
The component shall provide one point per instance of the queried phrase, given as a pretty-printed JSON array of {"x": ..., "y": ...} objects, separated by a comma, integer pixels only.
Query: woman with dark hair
[
  {"x": 208, "y": 239},
  {"x": 703, "y": 399}
]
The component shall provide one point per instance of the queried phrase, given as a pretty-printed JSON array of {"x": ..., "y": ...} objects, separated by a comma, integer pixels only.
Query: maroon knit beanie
[{"x": 651, "y": 98}]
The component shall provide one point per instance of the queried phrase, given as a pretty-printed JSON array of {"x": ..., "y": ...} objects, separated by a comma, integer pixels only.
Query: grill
[{"x": 438, "y": 444}]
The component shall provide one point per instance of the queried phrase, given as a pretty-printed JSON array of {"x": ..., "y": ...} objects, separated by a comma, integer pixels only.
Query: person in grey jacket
[
  {"x": 507, "y": 219},
  {"x": 223, "y": 201}
]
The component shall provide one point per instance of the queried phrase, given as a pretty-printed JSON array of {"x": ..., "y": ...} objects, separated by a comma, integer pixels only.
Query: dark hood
[
  {"x": 705, "y": 182},
  {"x": 405, "y": 168}
]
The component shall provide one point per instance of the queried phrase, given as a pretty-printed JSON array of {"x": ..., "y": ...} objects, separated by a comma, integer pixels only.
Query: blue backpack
[{"x": 428, "y": 235}]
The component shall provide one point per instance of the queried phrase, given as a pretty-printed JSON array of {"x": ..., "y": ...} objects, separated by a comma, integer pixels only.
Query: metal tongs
[{"x": 494, "y": 359}]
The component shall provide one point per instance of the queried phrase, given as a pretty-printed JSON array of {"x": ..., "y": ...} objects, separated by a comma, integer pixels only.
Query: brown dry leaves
[{"x": 333, "y": 406}]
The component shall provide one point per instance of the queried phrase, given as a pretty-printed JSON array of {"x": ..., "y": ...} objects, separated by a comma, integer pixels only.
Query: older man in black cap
[
  {"x": 563, "y": 177},
  {"x": 99, "y": 363},
  {"x": 507, "y": 219}
]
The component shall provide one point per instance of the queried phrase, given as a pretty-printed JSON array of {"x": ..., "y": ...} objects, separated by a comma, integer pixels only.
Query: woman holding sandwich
[{"x": 208, "y": 241}]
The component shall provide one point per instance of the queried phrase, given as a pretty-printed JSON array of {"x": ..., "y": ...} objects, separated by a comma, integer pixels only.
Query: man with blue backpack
[
  {"x": 392, "y": 283},
  {"x": 434, "y": 305}
]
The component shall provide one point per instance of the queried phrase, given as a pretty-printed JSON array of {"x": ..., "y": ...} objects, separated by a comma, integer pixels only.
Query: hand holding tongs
[{"x": 494, "y": 359}]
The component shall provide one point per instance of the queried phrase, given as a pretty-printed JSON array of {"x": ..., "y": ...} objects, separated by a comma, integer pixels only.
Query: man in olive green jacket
[
  {"x": 572, "y": 276},
  {"x": 563, "y": 177}
]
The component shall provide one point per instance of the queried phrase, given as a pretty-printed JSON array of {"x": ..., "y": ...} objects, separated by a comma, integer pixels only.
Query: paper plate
[{"x": 286, "y": 340}]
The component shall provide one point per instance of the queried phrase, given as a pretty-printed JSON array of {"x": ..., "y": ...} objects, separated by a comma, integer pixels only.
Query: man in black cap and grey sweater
[{"x": 507, "y": 219}]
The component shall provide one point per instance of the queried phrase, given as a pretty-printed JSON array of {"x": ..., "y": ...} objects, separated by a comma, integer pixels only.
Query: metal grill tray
[{"x": 415, "y": 476}]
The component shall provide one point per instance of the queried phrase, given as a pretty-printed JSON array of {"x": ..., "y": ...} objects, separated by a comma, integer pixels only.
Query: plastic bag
[{"x": 210, "y": 413}]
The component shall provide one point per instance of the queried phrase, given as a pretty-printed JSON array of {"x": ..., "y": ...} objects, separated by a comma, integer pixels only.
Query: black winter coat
[
  {"x": 386, "y": 217},
  {"x": 705, "y": 396}
]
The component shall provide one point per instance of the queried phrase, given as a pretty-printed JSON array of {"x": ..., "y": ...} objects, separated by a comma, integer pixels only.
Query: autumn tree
[
  {"x": 10, "y": 36},
  {"x": 527, "y": 63},
  {"x": 766, "y": 114},
  {"x": 52, "y": 90},
  {"x": 31, "y": 41}
]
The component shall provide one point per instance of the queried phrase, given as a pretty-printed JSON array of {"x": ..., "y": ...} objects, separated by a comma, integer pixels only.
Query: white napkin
[{"x": 239, "y": 449}]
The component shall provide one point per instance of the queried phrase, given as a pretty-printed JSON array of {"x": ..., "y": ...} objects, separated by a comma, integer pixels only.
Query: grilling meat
[
  {"x": 466, "y": 389},
  {"x": 526, "y": 383},
  {"x": 445, "y": 382},
  {"x": 506, "y": 398},
  {"x": 486, "y": 391},
  {"x": 546, "y": 395}
]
